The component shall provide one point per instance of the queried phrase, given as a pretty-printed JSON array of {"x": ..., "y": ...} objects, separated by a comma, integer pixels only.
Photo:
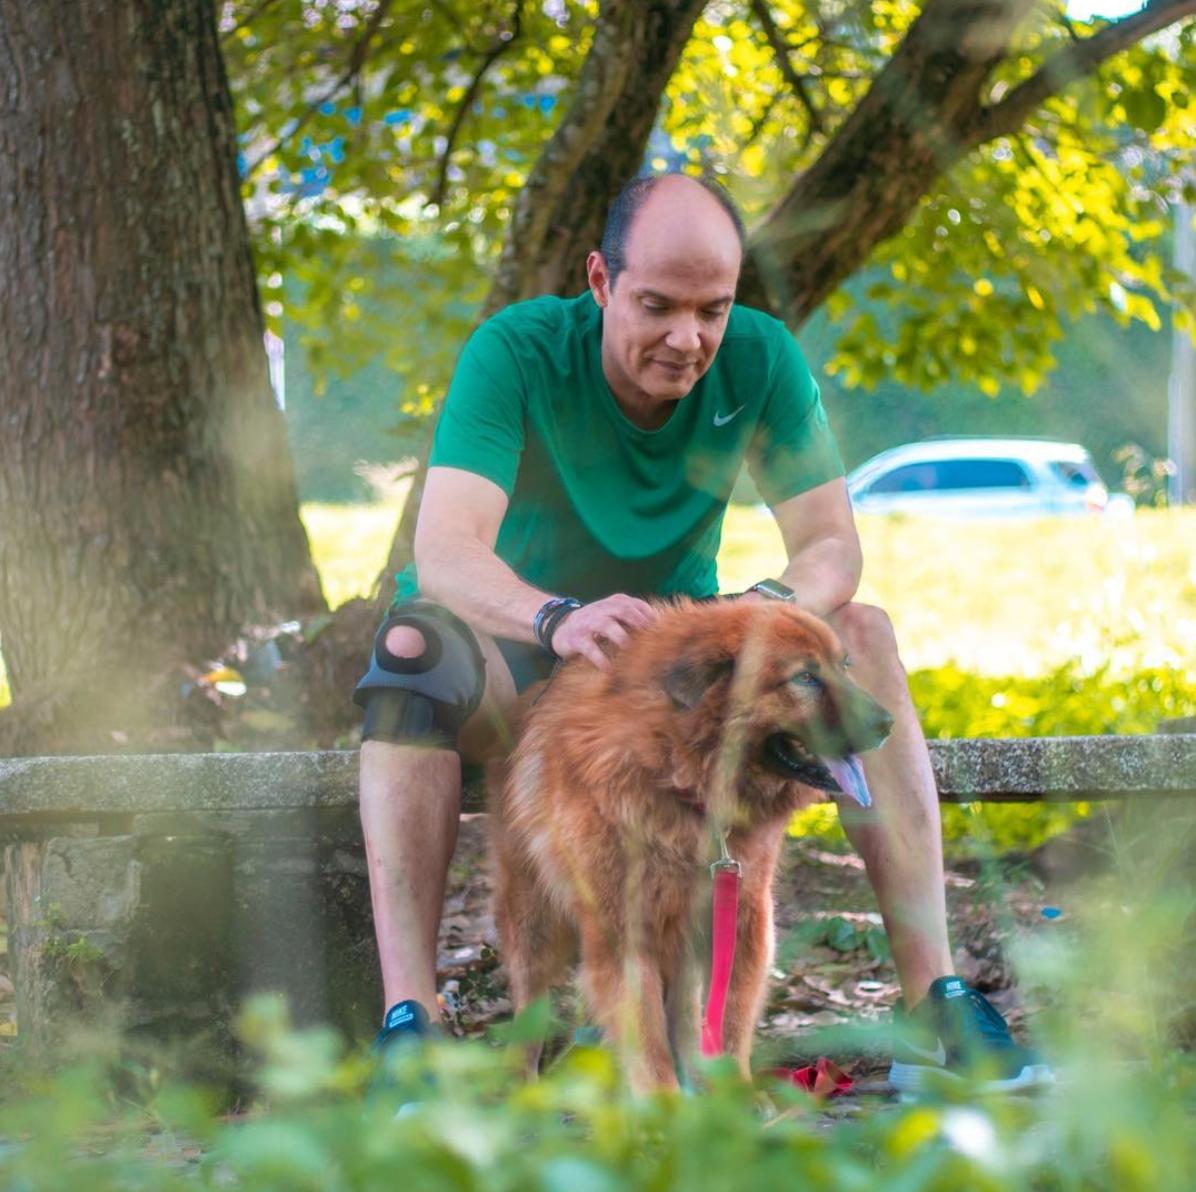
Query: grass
[{"x": 999, "y": 598}]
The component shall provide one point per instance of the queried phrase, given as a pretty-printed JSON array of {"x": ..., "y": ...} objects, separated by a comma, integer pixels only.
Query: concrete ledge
[
  {"x": 1003, "y": 770},
  {"x": 1066, "y": 769}
]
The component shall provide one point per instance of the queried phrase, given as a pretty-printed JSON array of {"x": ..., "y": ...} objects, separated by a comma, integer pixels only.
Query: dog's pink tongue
[{"x": 848, "y": 772}]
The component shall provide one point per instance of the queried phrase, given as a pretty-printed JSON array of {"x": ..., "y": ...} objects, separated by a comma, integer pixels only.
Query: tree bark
[
  {"x": 147, "y": 502},
  {"x": 598, "y": 146}
]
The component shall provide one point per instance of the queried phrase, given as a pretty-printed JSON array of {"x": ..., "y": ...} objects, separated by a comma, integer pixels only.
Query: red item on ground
[{"x": 823, "y": 1079}]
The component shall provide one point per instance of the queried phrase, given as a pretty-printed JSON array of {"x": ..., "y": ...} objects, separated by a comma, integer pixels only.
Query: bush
[
  {"x": 1066, "y": 702},
  {"x": 576, "y": 1130}
]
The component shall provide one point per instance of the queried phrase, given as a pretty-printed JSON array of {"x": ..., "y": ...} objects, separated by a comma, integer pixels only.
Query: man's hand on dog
[{"x": 585, "y": 630}]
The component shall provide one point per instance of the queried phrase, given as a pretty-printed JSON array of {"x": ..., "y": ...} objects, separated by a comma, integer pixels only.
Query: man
[{"x": 583, "y": 460}]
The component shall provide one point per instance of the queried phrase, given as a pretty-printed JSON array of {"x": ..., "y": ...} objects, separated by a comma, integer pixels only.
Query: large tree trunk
[
  {"x": 147, "y": 503},
  {"x": 598, "y": 146}
]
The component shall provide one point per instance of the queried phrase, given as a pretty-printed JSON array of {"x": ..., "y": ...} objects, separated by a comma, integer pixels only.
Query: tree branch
[
  {"x": 780, "y": 50},
  {"x": 1074, "y": 62},
  {"x": 258, "y": 10},
  {"x": 598, "y": 144},
  {"x": 357, "y": 60},
  {"x": 760, "y": 121},
  {"x": 503, "y": 42}
]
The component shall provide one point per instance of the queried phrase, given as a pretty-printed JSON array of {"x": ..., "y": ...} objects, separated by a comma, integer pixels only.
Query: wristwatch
[
  {"x": 774, "y": 590},
  {"x": 548, "y": 619}
]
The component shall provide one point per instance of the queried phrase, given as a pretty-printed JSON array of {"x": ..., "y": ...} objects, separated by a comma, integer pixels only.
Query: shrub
[
  {"x": 1064, "y": 702},
  {"x": 576, "y": 1130}
]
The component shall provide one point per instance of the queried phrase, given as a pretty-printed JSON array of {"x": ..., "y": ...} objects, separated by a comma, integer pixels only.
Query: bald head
[
  {"x": 675, "y": 246},
  {"x": 672, "y": 214}
]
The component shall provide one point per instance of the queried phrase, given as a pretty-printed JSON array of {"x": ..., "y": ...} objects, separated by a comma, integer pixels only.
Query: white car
[{"x": 981, "y": 477}]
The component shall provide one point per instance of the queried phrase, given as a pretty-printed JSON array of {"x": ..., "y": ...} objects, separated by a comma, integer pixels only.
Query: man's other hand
[{"x": 595, "y": 630}]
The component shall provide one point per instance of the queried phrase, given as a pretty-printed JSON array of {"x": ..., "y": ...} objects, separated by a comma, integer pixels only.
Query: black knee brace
[{"x": 427, "y": 697}]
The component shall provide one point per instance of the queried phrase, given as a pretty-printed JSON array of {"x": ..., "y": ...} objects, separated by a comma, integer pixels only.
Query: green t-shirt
[{"x": 597, "y": 504}]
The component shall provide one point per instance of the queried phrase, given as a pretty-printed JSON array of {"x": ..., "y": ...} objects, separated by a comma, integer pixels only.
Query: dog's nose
[
  {"x": 868, "y": 725},
  {"x": 882, "y": 725}
]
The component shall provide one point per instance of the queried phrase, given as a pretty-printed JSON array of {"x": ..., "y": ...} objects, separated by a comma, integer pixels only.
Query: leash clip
[{"x": 725, "y": 861}]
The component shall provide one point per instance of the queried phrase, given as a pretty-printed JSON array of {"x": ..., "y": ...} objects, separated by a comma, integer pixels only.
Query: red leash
[
  {"x": 824, "y": 1079},
  {"x": 724, "y": 917}
]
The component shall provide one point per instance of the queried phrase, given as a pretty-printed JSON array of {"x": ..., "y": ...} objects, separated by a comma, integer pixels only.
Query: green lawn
[
  {"x": 999, "y": 598},
  {"x": 995, "y": 597}
]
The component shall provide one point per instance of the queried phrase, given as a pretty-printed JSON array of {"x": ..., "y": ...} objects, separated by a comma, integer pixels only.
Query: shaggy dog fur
[{"x": 717, "y": 715}]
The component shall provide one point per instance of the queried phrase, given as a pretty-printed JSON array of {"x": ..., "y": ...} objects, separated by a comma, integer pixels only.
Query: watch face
[{"x": 773, "y": 589}]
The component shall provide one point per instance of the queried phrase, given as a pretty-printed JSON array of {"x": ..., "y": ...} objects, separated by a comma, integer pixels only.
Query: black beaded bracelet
[{"x": 551, "y": 614}]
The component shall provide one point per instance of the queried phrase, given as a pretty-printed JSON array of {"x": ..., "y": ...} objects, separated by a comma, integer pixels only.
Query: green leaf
[
  {"x": 1145, "y": 109},
  {"x": 532, "y": 1025},
  {"x": 841, "y": 935}
]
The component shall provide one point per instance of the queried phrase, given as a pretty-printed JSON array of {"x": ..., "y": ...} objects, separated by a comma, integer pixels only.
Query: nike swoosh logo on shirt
[
  {"x": 938, "y": 1056},
  {"x": 723, "y": 419}
]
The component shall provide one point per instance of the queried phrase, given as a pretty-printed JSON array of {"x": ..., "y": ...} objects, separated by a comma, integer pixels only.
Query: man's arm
[
  {"x": 459, "y": 519},
  {"x": 822, "y": 545}
]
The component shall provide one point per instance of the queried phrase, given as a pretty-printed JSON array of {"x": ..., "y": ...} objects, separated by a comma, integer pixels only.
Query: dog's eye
[{"x": 807, "y": 680}]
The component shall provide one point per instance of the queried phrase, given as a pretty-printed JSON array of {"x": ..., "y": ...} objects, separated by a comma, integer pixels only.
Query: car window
[
  {"x": 952, "y": 474},
  {"x": 910, "y": 478},
  {"x": 981, "y": 473},
  {"x": 1075, "y": 474}
]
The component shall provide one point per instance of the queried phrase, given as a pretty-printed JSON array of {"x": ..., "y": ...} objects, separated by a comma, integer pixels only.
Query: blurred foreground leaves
[{"x": 481, "y": 1126}]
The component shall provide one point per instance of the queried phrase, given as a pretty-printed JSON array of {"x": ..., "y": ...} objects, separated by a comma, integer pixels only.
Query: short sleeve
[
  {"x": 793, "y": 448},
  {"x": 481, "y": 424}
]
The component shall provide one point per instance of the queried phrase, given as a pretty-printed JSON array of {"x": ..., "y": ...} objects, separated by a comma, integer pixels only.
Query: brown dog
[{"x": 716, "y": 716}]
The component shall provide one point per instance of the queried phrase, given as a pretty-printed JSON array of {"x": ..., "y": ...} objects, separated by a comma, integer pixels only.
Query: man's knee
[
  {"x": 405, "y": 641},
  {"x": 865, "y": 631},
  {"x": 870, "y": 642},
  {"x": 426, "y": 678}
]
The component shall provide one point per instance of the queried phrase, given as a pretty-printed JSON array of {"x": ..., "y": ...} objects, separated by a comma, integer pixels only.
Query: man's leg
[
  {"x": 410, "y": 808},
  {"x": 410, "y": 800},
  {"x": 900, "y": 837},
  {"x": 953, "y": 1030}
]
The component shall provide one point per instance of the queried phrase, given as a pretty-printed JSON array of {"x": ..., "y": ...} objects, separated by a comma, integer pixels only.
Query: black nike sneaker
[
  {"x": 405, "y": 1022},
  {"x": 405, "y": 1026},
  {"x": 957, "y": 1034}
]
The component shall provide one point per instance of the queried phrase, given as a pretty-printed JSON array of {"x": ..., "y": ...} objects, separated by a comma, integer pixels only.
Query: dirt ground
[
  {"x": 831, "y": 965},
  {"x": 832, "y": 968}
]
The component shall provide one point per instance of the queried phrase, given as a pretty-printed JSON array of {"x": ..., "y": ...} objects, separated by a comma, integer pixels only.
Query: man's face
[{"x": 665, "y": 315}]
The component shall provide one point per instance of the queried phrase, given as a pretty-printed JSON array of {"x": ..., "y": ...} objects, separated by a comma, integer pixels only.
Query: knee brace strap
[{"x": 450, "y": 673}]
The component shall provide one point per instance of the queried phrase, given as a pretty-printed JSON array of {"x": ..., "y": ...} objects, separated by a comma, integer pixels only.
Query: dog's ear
[{"x": 689, "y": 679}]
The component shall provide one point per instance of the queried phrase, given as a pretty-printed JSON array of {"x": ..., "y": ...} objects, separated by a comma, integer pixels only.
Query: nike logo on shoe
[
  {"x": 723, "y": 419},
  {"x": 937, "y": 1057}
]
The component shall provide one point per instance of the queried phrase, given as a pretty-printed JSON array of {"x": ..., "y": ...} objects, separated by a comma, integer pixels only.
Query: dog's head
[{"x": 760, "y": 691}]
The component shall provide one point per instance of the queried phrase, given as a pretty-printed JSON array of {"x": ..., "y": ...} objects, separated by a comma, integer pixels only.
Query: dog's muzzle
[{"x": 835, "y": 775}]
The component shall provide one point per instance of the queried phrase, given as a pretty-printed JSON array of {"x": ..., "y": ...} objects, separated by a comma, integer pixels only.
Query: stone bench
[{"x": 165, "y": 888}]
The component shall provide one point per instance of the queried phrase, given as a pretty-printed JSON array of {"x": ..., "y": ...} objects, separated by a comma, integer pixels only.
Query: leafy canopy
[{"x": 406, "y": 128}]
